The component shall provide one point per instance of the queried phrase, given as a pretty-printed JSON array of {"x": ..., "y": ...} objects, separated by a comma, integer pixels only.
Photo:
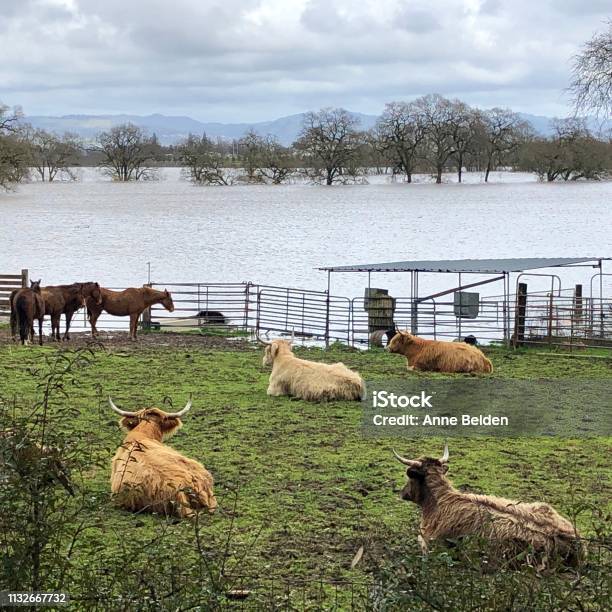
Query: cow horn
[
  {"x": 124, "y": 413},
  {"x": 444, "y": 458},
  {"x": 260, "y": 340},
  {"x": 180, "y": 413},
  {"x": 408, "y": 462}
]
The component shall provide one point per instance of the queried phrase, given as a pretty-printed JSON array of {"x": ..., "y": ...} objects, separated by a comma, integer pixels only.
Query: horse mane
[{"x": 151, "y": 291}]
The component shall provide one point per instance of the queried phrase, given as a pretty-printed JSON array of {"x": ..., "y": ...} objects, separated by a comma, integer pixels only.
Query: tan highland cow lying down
[
  {"x": 148, "y": 476},
  {"x": 309, "y": 380},
  {"x": 437, "y": 356}
]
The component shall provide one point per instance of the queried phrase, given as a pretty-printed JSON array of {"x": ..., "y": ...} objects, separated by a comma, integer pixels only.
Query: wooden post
[
  {"x": 146, "y": 315},
  {"x": 521, "y": 311},
  {"x": 578, "y": 302},
  {"x": 25, "y": 277},
  {"x": 578, "y": 310}
]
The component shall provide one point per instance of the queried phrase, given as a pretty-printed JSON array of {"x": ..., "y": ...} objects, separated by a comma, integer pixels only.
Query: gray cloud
[{"x": 246, "y": 60}]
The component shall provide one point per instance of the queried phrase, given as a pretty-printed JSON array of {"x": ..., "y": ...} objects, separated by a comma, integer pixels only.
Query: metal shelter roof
[{"x": 478, "y": 266}]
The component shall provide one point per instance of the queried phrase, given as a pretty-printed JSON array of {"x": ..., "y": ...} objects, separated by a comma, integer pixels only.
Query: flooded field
[{"x": 98, "y": 230}]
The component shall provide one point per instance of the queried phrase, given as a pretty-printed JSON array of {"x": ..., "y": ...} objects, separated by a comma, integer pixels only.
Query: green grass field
[{"x": 300, "y": 489}]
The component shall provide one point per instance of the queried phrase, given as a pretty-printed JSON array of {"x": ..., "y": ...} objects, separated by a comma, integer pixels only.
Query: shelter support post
[{"x": 521, "y": 311}]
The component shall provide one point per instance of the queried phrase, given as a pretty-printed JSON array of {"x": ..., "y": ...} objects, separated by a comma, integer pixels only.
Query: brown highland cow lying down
[
  {"x": 148, "y": 476},
  {"x": 512, "y": 528},
  {"x": 437, "y": 356}
]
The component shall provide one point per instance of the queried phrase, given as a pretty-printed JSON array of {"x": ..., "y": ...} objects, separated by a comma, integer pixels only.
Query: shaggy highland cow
[
  {"x": 148, "y": 476},
  {"x": 437, "y": 356},
  {"x": 309, "y": 380},
  {"x": 510, "y": 526}
]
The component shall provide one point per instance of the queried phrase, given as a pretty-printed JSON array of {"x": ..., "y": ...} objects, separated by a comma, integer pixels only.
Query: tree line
[{"x": 431, "y": 134}]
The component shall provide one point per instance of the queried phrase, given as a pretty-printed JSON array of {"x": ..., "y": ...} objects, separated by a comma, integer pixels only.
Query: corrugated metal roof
[{"x": 483, "y": 266}]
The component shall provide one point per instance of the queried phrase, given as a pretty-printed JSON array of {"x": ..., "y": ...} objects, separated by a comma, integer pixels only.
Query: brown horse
[
  {"x": 66, "y": 300},
  {"x": 27, "y": 305},
  {"x": 130, "y": 302}
]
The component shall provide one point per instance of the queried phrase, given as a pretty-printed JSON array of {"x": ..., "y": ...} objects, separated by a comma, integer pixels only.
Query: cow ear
[
  {"x": 170, "y": 425},
  {"x": 273, "y": 350},
  {"x": 415, "y": 473},
  {"x": 129, "y": 422}
]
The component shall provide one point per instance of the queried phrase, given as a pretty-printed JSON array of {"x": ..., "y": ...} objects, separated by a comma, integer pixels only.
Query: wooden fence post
[
  {"x": 146, "y": 315},
  {"x": 578, "y": 310},
  {"x": 521, "y": 311},
  {"x": 25, "y": 277}
]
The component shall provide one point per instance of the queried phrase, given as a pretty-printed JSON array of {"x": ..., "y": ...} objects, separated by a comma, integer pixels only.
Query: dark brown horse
[
  {"x": 27, "y": 305},
  {"x": 66, "y": 300},
  {"x": 130, "y": 302}
]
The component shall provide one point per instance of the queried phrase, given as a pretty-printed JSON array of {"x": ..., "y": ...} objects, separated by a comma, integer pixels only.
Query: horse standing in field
[
  {"x": 27, "y": 305},
  {"x": 66, "y": 300},
  {"x": 131, "y": 302}
]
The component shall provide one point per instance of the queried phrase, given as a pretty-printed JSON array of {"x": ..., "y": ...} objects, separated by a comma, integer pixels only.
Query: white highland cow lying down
[
  {"x": 437, "y": 356},
  {"x": 309, "y": 380}
]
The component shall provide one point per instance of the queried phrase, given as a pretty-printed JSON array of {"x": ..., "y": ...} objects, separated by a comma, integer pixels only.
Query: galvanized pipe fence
[
  {"x": 551, "y": 319},
  {"x": 557, "y": 318}
]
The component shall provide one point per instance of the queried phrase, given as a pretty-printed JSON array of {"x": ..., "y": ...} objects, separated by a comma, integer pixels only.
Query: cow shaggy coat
[
  {"x": 309, "y": 380},
  {"x": 511, "y": 527},
  {"x": 437, "y": 356},
  {"x": 149, "y": 476}
]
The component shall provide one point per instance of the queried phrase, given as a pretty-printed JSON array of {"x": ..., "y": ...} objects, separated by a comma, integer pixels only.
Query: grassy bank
[{"x": 300, "y": 489}]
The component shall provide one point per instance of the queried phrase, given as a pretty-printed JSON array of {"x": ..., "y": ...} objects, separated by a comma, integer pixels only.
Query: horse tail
[
  {"x": 23, "y": 321},
  {"x": 13, "y": 314}
]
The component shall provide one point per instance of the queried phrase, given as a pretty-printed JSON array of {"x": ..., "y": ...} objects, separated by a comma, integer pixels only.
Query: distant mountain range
[{"x": 172, "y": 129}]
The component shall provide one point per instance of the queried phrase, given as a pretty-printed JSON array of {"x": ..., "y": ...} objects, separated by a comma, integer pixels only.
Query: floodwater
[{"x": 98, "y": 230}]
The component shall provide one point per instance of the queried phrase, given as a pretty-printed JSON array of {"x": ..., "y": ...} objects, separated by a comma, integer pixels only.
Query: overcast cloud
[{"x": 250, "y": 60}]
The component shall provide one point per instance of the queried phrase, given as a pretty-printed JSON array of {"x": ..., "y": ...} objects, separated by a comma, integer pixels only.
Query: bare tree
[
  {"x": 127, "y": 153},
  {"x": 591, "y": 84},
  {"x": 438, "y": 117},
  {"x": 250, "y": 148},
  {"x": 401, "y": 134},
  {"x": 204, "y": 163},
  {"x": 53, "y": 155},
  {"x": 277, "y": 163},
  {"x": 464, "y": 128},
  {"x": 331, "y": 143},
  {"x": 501, "y": 133},
  {"x": 14, "y": 153},
  {"x": 572, "y": 153},
  {"x": 9, "y": 118},
  {"x": 264, "y": 159}
]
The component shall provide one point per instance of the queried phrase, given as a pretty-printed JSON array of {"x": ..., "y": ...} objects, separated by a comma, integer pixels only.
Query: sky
[{"x": 255, "y": 60}]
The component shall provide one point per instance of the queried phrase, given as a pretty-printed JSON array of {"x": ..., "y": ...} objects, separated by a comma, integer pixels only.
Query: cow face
[
  {"x": 400, "y": 341},
  {"x": 419, "y": 477},
  {"x": 166, "y": 423},
  {"x": 422, "y": 473},
  {"x": 273, "y": 349}
]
